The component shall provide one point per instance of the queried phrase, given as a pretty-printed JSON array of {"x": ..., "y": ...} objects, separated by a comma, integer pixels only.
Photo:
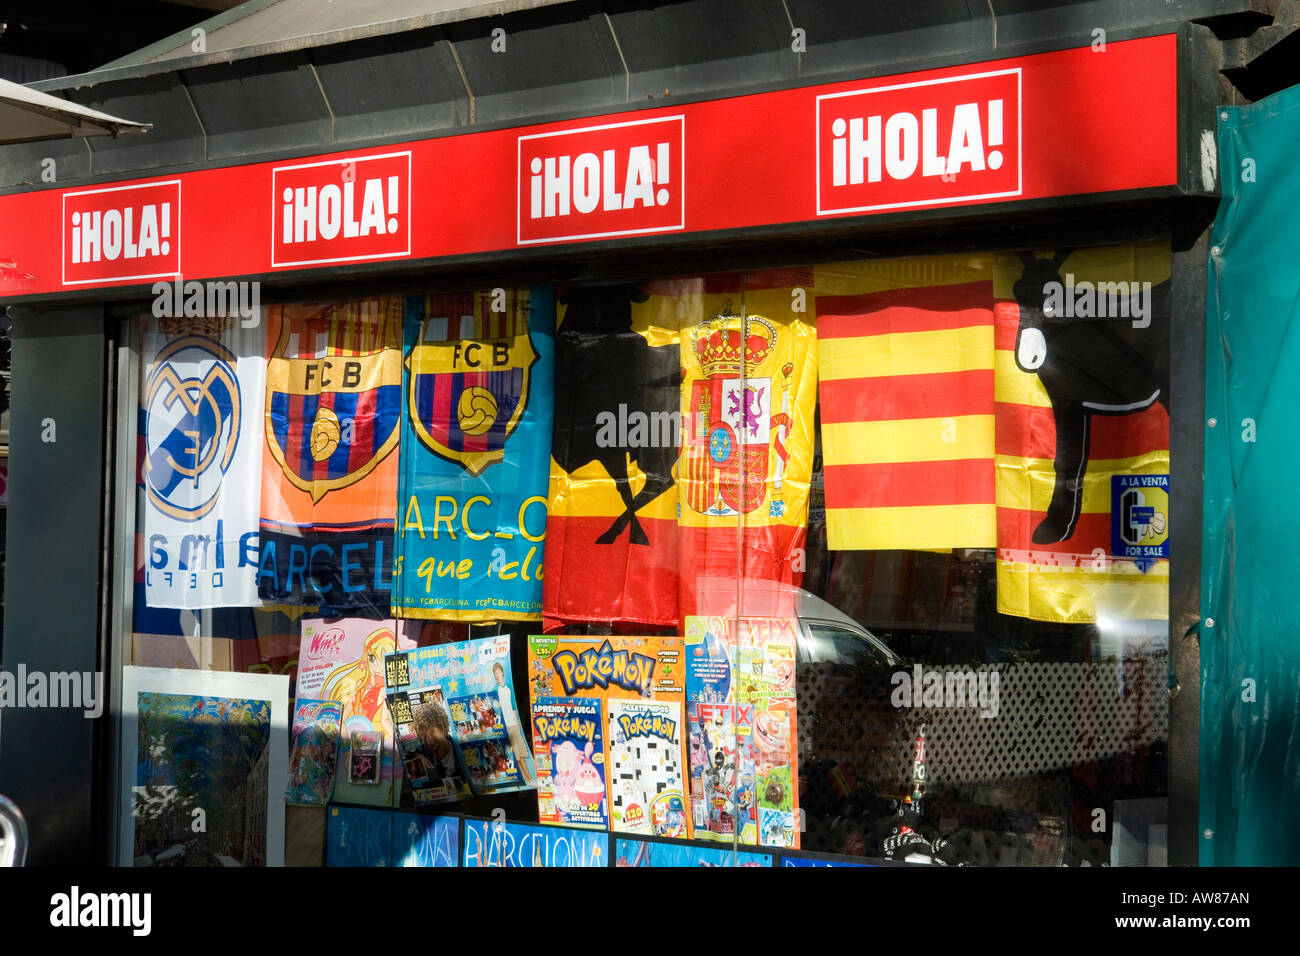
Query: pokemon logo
[
  {"x": 592, "y": 668},
  {"x": 554, "y": 728},
  {"x": 648, "y": 725}
]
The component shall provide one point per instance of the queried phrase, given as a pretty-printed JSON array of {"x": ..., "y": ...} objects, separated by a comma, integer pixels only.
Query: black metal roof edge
[{"x": 138, "y": 70}]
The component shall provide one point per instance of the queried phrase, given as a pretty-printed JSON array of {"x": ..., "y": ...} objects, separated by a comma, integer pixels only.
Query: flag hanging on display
[
  {"x": 201, "y": 448},
  {"x": 907, "y": 413},
  {"x": 748, "y": 394},
  {"x": 1082, "y": 389},
  {"x": 329, "y": 476},
  {"x": 475, "y": 455},
  {"x": 611, "y": 540}
]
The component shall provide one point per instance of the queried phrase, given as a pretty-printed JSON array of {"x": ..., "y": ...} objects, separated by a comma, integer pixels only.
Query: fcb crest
[
  {"x": 334, "y": 393},
  {"x": 468, "y": 377},
  {"x": 731, "y": 424},
  {"x": 192, "y": 409}
]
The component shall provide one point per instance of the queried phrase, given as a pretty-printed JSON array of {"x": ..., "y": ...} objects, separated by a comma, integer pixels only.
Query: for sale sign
[
  {"x": 621, "y": 179},
  {"x": 933, "y": 142},
  {"x": 344, "y": 210}
]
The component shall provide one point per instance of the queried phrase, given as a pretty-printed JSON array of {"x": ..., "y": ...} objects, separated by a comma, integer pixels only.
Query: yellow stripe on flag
[
  {"x": 1083, "y": 595},
  {"x": 908, "y": 353},
  {"x": 1011, "y": 386},
  {"x": 957, "y": 438},
  {"x": 923, "y": 528},
  {"x": 1026, "y": 484}
]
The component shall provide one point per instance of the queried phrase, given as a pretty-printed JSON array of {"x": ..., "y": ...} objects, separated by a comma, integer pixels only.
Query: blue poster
[
  {"x": 787, "y": 860},
  {"x": 645, "y": 853},
  {"x": 355, "y": 836},
  {"x": 423, "y": 840},
  {"x": 477, "y": 408},
  {"x": 489, "y": 843}
]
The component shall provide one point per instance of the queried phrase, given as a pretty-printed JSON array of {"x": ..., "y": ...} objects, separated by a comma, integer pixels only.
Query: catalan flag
[
  {"x": 1083, "y": 439},
  {"x": 907, "y": 415}
]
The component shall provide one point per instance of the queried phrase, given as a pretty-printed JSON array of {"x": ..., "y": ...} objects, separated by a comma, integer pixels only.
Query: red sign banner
[{"x": 999, "y": 131}]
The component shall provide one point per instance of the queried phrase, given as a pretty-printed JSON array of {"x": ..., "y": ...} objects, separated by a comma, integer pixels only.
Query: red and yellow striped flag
[
  {"x": 1105, "y": 379},
  {"x": 907, "y": 417}
]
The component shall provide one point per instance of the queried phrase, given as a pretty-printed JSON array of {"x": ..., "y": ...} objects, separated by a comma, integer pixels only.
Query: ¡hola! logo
[
  {"x": 341, "y": 210},
  {"x": 122, "y": 232},
  {"x": 621, "y": 179},
  {"x": 932, "y": 142}
]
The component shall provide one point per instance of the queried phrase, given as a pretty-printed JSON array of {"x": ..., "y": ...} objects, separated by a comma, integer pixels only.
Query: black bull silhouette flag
[{"x": 1099, "y": 348}]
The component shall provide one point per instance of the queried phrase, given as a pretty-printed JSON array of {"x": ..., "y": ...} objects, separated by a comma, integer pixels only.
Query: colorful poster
[
  {"x": 329, "y": 471},
  {"x": 312, "y": 761},
  {"x": 343, "y": 660},
  {"x": 617, "y": 670},
  {"x": 740, "y": 684},
  {"x": 813, "y": 861},
  {"x": 489, "y": 843},
  {"x": 611, "y": 536},
  {"x": 1082, "y": 387},
  {"x": 646, "y": 853},
  {"x": 209, "y": 741},
  {"x": 647, "y": 771},
  {"x": 569, "y": 741},
  {"x": 476, "y": 442},
  {"x": 201, "y": 401},
  {"x": 455, "y": 704},
  {"x": 906, "y": 364},
  {"x": 749, "y": 395}
]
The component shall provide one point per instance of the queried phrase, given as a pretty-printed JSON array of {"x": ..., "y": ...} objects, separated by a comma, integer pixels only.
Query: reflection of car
[{"x": 829, "y": 636}]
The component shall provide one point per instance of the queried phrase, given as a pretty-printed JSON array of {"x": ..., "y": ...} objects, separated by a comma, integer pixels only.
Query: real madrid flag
[
  {"x": 749, "y": 393},
  {"x": 329, "y": 478},
  {"x": 200, "y": 442},
  {"x": 475, "y": 446}
]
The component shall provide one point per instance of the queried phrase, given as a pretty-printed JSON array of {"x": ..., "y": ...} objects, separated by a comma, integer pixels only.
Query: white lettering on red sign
[
  {"x": 618, "y": 180},
  {"x": 121, "y": 232},
  {"x": 342, "y": 210},
  {"x": 914, "y": 144}
]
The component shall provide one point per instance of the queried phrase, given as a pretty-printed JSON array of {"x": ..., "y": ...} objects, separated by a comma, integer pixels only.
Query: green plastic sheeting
[{"x": 1250, "y": 613}]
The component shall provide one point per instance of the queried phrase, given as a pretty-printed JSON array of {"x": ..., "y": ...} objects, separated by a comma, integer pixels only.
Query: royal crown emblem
[{"x": 722, "y": 340}]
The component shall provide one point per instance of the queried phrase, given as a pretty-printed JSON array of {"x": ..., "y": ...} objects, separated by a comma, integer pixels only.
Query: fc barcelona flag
[
  {"x": 906, "y": 355},
  {"x": 1082, "y": 389},
  {"x": 475, "y": 451},
  {"x": 748, "y": 399},
  {"x": 329, "y": 477},
  {"x": 611, "y": 545}
]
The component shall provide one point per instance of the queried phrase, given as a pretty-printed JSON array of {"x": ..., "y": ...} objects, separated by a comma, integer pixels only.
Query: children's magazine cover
[
  {"x": 315, "y": 750},
  {"x": 645, "y": 853},
  {"x": 429, "y": 757},
  {"x": 570, "y": 749},
  {"x": 619, "y": 668},
  {"x": 343, "y": 661},
  {"x": 647, "y": 771},
  {"x": 468, "y": 697},
  {"x": 491, "y": 843},
  {"x": 740, "y": 685}
]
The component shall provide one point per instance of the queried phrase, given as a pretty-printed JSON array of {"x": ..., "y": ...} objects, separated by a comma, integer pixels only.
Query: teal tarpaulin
[{"x": 1250, "y": 627}]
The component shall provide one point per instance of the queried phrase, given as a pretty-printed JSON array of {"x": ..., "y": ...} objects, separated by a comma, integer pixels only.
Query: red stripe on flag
[
  {"x": 363, "y": 431},
  {"x": 889, "y": 398},
  {"x": 911, "y": 484},
  {"x": 1016, "y": 530},
  {"x": 921, "y": 309},
  {"x": 1006, "y": 318},
  {"x": 1030, "y": 431},
  {"x": 709, "y": 562}
]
